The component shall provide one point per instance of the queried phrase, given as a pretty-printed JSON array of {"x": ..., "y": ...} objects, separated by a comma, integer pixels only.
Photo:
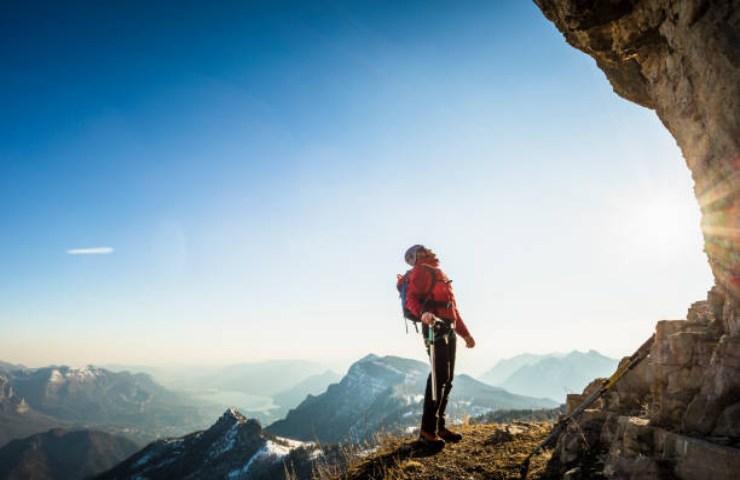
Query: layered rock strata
[{"x": 678, "y": 414}]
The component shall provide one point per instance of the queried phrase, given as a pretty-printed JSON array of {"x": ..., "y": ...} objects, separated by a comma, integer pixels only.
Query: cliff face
[
  {"x": 679, "y": 412},
  {"x": 682, "y": 59}
]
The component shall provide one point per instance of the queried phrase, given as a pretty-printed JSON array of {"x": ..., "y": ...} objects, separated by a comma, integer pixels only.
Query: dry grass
[{"x": 487, "y": 451}]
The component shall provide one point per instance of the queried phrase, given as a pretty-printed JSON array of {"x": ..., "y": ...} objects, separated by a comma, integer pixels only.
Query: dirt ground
[{"x": 488, "y": 451}]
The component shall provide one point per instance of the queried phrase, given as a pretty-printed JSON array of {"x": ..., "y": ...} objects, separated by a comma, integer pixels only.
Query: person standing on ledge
[{"x": 430, "y": 298}]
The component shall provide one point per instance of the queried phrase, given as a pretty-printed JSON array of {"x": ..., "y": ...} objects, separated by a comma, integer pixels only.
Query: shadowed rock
[{"x": 678, "y": 413}]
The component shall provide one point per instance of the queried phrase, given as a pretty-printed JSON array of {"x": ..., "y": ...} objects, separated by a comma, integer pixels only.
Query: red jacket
[{"x": 420, "y": 281}]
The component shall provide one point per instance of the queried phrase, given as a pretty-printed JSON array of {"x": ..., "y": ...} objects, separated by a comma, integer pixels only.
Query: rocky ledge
[
  {"x": 234, "y": 447},
  {"x": 676, "y": 415}
]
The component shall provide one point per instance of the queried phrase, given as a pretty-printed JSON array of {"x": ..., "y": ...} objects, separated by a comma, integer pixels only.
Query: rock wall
[
  {"x": 675, "y": 415},
  {"x": 682, "y": 59},
  {"x": 678, "y": 414}
]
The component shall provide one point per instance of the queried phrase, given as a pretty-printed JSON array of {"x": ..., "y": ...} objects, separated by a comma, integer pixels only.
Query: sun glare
[{"x": 660, "y": 223}]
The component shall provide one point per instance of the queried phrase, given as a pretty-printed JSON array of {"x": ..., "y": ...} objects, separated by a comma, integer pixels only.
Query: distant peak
[
  {"x": 370, "y": 357},
  {"x": 233, "y": 424},
  {"x": 233, "y": 415}
]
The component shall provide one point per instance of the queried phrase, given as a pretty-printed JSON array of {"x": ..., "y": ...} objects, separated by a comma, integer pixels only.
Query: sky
[{"x": 223, "y": 182}]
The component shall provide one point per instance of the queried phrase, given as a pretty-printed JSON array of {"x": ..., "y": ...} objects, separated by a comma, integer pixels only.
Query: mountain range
[
  {"x": 551, "y": 375},
  {"x": 377, "y": 394},
  {"x": 386, "y": 393},
  {"x": 264, "y": 390},
  {"x": 265, "y": 378},
  {"x": 35, "y": 400},
  {"x": 506, "y": 367},
  {"x": 17, "y": 418},
  {"x": 233, "y": 448},
  {"x": 292, "y": 397}
]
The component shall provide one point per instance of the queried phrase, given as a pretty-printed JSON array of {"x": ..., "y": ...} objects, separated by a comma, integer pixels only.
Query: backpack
[{"x": 402, "y": 285}]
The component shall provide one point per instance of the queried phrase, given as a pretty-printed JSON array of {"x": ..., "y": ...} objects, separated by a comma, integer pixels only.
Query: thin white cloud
[{"x": 90, "y": 251}]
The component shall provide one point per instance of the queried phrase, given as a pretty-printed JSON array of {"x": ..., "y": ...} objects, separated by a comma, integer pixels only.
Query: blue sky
[{"x": 258, "y": 169}]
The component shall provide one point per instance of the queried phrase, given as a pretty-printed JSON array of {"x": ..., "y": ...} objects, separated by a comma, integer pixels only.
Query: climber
[{"x": 430, "y": 298}]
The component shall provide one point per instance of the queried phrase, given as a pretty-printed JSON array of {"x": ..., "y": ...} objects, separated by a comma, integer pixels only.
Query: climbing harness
[{"x": 606, "y": 385}]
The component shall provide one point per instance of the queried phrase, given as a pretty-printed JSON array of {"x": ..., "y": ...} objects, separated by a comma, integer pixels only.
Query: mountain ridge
[
  {"x": 386, "y": 393},
  {"x": 505, "y": 367},
  {"x": 233, "y": 447},
  {"x": 35, "y": 400},
  {"x": 63, "y": 454},
  {"x": 552, "y": 375}
]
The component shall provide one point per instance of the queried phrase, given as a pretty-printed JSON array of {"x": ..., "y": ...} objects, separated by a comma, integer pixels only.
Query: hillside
[
  {"x": 506, "y": 367},
  {"x": 385, "y": 394},
  {"x": 17, "y": 418},
  {"x": 62, "y": 454},
  {"x": 234, "y": 447},
  {"x": 487, "y": 451},
  {"x": 555, "y": 377},
  {"x": 292, "y": 397},
  {"x": 133, "y": 405}
]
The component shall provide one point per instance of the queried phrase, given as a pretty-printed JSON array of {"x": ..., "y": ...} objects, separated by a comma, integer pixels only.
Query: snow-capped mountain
[
  {"x": 61, "y": 396},
  {"x": 87, "y": 393},
  {"x": 233, "y": 448},
  {"x": 386, "y": 393}
]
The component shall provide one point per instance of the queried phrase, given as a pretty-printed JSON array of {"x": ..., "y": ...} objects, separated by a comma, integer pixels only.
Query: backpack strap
[
  {"x": 427, "y": 302},
  {"x": 433, "y": 272}
]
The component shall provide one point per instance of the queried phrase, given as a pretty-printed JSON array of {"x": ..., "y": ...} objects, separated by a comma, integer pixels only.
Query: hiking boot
[
  {"x": 431, "y": 439},
  {"x": 449, "y": 435}
]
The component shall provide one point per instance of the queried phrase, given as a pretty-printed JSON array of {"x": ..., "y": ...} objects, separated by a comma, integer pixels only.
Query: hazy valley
[{"x": 286, "y": 405}]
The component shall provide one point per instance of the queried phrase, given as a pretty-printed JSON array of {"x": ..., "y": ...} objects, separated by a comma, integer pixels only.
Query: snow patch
[
  {"x": 56, "y": 377},
  {"x": 367, "y": 452},
  {"x": 316, "y": 454},
  {"x": 235, "y": 413},
  {"x": 272, "y": 452},
  {"x": 295, "y": 443},
  {"x": 143, "y": 460},
  {"x": 413, "y": 399},
  {"x": 275, "y": 449},
  {"x": 226, "y": 444},
  {"x": 83, "y": 373}
]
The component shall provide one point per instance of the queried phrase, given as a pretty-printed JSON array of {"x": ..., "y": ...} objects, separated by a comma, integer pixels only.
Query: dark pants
[{"x": 444, "y": 366}]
